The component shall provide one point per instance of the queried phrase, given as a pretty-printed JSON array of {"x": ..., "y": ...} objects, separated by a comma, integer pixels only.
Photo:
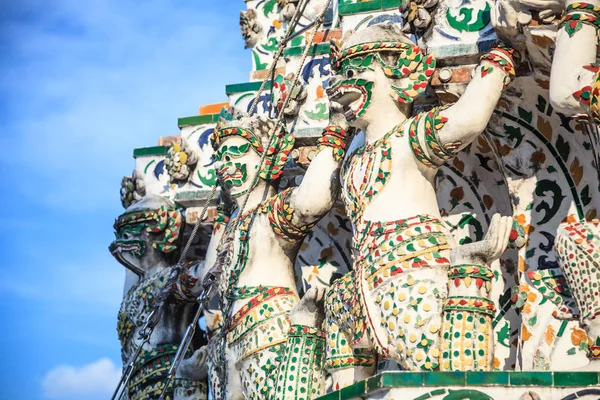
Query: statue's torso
[
  {"x": 137, "y": 304},
  {"x": 382, "y": 181},
  {"x": 259, "y": 262}
]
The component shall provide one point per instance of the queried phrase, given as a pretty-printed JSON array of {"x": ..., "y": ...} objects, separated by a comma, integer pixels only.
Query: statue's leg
[
  {"x": 410, "y": 316},
  {"x": 467, "y": 332},
  {"x": 216, "y": 387},
  {"x": 257, "y": 339},
  {"x": 186, "y": 389},
  {"x": 346, "y": 362},
  {"x": 300, "y": 374},
  {"x": 258, "y": 372},
  {"x": 233, "y": 385},
  {"x": 190, "y": 382}
]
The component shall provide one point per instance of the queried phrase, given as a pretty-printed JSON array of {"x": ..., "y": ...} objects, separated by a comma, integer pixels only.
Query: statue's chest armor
[
  {"x": 138, "y": 304},
  {"x": 369, "y": 170}
]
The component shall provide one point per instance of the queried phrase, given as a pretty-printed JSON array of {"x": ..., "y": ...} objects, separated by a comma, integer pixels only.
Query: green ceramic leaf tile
[
  {"x": 197, "y": 120},
  {"x": 245, "y": 87}
]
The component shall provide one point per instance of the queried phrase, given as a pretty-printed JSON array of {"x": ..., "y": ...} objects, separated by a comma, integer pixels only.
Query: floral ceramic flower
[{"x": 180, "y": 160}]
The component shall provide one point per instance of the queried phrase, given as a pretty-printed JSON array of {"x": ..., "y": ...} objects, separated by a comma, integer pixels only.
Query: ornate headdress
[
  {"x": 413, "y": 67},
  {"x": 257, "y": 130}
]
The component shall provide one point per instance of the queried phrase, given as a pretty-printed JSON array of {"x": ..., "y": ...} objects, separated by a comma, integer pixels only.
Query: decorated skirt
[
  {"x": 150, "y": 374},
  {"x": 257, "y": 337},
  {"x": 395, "y": 294}
]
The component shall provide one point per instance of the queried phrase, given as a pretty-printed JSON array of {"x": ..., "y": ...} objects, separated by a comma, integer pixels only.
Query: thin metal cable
[
  {"x": 282, "y": 44},
  {"x": 178, "y": 268},
  {"x": 309, "y": 41}
]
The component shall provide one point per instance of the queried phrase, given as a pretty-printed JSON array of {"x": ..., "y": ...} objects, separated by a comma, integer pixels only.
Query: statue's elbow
[{"x": 563, "y": 100}]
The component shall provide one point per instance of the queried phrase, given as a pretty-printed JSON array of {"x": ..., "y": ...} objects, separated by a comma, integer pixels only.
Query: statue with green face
[
  {"x": 271, "y": 343},
  {"x": 147, "y": 242},
  {"x": 391, "y": 305}
]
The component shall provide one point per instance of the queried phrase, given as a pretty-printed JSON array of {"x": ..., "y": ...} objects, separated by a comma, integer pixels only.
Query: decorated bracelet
[
  {"x": 433, "y": 123},
  {"x": 502, "y": 57},
  {"x": 589, "y": 95},
  {"x": 470, "y": 304},
  {"x": 467, "y": 273},
  {"x": 280, "y": 215},
  {"x": 186, "y": 284},
  {"x": 578, "y": 14},
  {"x": 334, "y": 137}
]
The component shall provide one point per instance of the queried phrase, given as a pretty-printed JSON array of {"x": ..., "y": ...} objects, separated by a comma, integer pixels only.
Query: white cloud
[{"x": 91, "y": 381}]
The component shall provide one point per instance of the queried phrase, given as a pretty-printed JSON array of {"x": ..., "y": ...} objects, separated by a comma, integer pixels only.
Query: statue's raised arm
[
  {"x": 320, "y": 185},
  {"x": 461, "y": 123},
  {"x": 574, "y": 70}
]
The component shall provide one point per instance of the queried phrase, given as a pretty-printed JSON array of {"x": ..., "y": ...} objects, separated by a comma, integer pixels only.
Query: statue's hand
[
  {"x": 194, "y": 368},
  {"x": 505, "y": 20},
  {"x": 310, "y": 310},
  {"x": 336, "y": 116},
  {"x": 556, "y": 6},
  {"x": 507, "y": 15},
  {"x": 490, "y": 248}
]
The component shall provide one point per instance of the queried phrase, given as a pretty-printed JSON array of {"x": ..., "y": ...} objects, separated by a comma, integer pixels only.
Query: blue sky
[{"x": 83, "y": 83}]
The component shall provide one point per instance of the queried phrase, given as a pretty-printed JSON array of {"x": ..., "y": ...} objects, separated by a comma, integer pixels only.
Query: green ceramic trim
[
  {"x": 531, "y": 379},
  {"x": 404, "y": 379},
  {"x": 192, "y": 195},
  {"x": 197, "y": 120},
  {"x": 345, "y": 9},
  {"x": 245, "y": 87},
  {"x": 331, "y": 396},
  {"x": 356, "y": 390},
  {"x": 319, "y": 48},
  {"x": 488, "y": 378},
  {"x": 366, "y": 6},
  {"x": 391, "y": 3},
  {"x": 150, "y": 151},
  {"x": 576, "y": 378},
  {"x": 388, "y": 380}
]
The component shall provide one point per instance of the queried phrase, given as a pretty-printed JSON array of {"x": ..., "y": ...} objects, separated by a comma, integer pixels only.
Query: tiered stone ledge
[
  {"x": 245, "y": 87},
  {"x": 315, "y": 49},
  {"x": 197, "y": 120},
  {"x": 423, "y": 384},
  {"x": 150, "y": 151}
]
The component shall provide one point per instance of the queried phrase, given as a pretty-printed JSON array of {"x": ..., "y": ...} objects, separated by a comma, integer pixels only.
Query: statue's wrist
[
  {"x": 336, "y": 138},
  {"x": 579, "y": 13},
  {"x": 503, "y": 58}
]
